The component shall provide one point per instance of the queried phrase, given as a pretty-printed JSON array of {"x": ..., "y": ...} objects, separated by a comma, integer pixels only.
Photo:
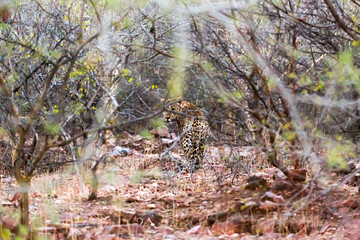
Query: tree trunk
[
  {"x": 24, "y": 183},
  {"x": 24, "y": 205}
]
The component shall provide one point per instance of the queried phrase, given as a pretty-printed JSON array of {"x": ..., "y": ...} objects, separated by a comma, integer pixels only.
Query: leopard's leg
[
  {"x": 199, "y": 137},
  {"x": 198, "y": 150},
  {"x": 193, "y": 145},
  {"x": 197, "y": 153},
  {"x": 187, "y": 146},
  {"x": 193, "y": 152}
]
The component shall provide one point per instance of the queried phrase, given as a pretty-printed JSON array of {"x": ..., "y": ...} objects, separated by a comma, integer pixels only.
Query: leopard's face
[
  {"x": 170, "y": 116},
  {"x": 180, "y": 106}
]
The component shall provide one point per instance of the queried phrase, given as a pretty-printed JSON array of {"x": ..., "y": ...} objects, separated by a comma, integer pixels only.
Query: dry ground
[{"x": 139, "y": 200}]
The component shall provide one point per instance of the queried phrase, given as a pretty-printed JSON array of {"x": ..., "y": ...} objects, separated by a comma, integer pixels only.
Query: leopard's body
[{"x": 193, "y": 128}]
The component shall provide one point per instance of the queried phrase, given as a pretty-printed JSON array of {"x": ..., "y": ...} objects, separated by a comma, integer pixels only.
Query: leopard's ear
[
  {"x": 162, "y": 100},
  {"x": 184, "y": 104}
]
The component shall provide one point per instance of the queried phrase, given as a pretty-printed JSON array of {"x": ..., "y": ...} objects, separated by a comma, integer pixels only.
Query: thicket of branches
[{"x": 76, "y": 68}]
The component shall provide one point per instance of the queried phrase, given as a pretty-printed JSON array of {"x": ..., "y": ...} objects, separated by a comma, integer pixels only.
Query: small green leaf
[
  {"x": 289, "y": 135},
  {"x": 5, "y": 234},
  {"x": 137, "y": 177},
  {"x": 320, "y": 85},
  {"x": 158, "y": 122},
  {"x": 292, "y": 75},
  {"x": 238, "y": 94},
  {"x": 335, "y": 156},
  {"x": 52, "y": 128},
  {"x": 146, "y": 134},
  {"x": 355, "y": 43}
]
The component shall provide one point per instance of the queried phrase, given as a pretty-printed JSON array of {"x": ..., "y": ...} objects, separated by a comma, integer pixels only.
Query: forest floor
[{"x": 138, "y": 200}]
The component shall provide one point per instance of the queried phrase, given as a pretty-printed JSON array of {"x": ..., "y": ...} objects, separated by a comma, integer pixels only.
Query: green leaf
[
  {"x": 335, "y": 156},
  {"x": 125, "y": 72},
  {"x": 5, "y": 234},
  {"x": 158, "y": 122},
  {"x": 292, "y": 75},
  {"x": 320, "y": 85},
  {"x": 2, "y": 132},
  {"x": 54, "y": 54},
  {"x": 146, "y": 134},
  {"x": 289, "y": 135},
  {"x": 136, "y": 178},
  {"x": 52, "y": 128},
  {"x": 346, "y": 58},
  {"x": 305, "y": 81},
  {"x": 208, "y": 67},
  {"x": 23, "y": 231},
  {"x": 238, "y": 94},
  {"x": 4, "y": 26}
]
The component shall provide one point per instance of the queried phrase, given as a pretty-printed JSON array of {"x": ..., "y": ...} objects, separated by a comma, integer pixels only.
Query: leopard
[{"x": 193, "y": 129}]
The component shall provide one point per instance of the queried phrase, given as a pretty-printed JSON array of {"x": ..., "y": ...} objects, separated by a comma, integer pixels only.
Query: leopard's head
[
  {"x": 180, "y": 106},
  {"x": 173, "y": 105}
]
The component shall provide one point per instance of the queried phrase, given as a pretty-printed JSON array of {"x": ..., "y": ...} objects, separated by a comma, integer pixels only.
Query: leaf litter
[{"x": 137, "y": 199}]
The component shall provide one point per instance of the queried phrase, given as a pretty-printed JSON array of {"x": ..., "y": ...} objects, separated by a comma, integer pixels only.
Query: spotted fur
[{"x": 194, "y": 129}]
